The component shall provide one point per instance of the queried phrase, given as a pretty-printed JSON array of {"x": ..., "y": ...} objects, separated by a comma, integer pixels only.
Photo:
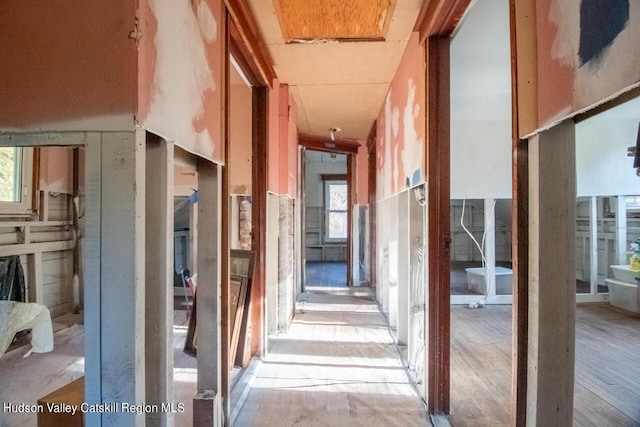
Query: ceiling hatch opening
[{"x": 333, "y": 21}]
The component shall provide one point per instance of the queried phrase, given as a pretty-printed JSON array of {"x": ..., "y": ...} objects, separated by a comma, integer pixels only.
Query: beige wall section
[{"x": 240, "y": 138}]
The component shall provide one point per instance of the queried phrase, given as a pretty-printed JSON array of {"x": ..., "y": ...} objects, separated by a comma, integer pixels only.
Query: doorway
[
  {"x": 480, "y": 221},
  {"x": 326, "y": 219}
]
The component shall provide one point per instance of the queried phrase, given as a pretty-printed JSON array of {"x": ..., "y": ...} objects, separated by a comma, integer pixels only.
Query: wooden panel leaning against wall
[{"x": 36, "y": 223}]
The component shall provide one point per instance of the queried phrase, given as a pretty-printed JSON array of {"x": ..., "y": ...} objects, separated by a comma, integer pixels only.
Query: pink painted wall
[
  {"x": 362, "y": 174},
  {"x": 282, "y": 152},
  {"x": 56, "y": 169},
  {"x": 240, "y": 144},
  {"x": 400, "y": 132},
  {"x": 283, "y": 140},
  {"x": 567, "y": 82},
  {"x": 67, "y": 65},
  {"x": 180, "y": 68}
]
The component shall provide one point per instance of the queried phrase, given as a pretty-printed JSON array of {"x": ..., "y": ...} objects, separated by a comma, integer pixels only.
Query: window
[
  {"x": 15, "y": 180},
  {"x": 336, "y": 205}
]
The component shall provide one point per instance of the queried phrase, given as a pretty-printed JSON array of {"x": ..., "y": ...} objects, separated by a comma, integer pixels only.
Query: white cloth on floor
[{"x": 18, "y": 316}]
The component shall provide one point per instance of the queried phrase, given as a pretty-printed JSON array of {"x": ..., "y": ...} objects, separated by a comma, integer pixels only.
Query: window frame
[
  {"x": 24, "y": 206},
  {"x": 327, "y": 210}
]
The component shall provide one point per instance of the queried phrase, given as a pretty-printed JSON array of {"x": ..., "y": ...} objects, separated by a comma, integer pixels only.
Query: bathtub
[
  {"x": 623, "y": 288},
  {"x": 476, "y": 280}
]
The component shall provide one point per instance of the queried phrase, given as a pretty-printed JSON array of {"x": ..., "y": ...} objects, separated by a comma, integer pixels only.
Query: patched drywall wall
[
  {"x": 587, "y": 51},
  {"x": 180, "y": 66},
  {"x": 67, "y": 65},
  {"x": 400, "y": 126}
]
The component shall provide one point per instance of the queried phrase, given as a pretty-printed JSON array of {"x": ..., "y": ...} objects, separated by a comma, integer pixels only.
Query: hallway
[{"x": 337, "y": 365}]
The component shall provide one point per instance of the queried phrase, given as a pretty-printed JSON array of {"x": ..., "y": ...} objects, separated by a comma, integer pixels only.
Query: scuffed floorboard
[{"x": 337, "y": 366}]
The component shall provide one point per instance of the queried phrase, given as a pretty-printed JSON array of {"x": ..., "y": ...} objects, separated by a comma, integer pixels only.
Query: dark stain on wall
[{"x": 600, "y": 23}]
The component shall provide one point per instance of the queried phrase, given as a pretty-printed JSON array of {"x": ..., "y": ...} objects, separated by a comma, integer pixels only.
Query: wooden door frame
[
  {"x": 302, "y": 166},
  {"x": 436, "y": 22},
  {"x": 245, "y": 44}
]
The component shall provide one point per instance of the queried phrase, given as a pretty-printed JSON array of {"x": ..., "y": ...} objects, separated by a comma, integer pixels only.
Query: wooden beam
[
  {"x": 524, "y": 74},
  {"x": 91, "y": 268},
  {"x": 115, "y": 273},
  {"x": 552, "y": 292},
  {"x": 351, "y": 197},
  {"x": 259, "y": 179},
  {"x": 520, "y": 257},
  {"x": 438, "y": 227},
  {"x": 522, "y": 23},
  {"x": 34, "y": 248},
  {"x": 225, "y": 240},
  {"x": 243, "y": 57},
  {"x": 159, "y": 278},
  {"x": 207, "y": 405},
  {"x": 36, "y": 286},
  {"x": 318, "y": 143},
  {"x": 253, "y": 48},
  {"x": 439, "y": 17},
  {"x": 43, "y": 139}
]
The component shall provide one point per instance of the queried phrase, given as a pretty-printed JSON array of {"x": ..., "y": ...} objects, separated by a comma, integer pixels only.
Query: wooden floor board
[
  {"x": 337, "y": 366},
  {"x": 607, "y": 368}
]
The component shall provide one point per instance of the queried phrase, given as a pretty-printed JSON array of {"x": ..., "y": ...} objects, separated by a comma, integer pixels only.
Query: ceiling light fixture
[{"x": 333, "y": 131}]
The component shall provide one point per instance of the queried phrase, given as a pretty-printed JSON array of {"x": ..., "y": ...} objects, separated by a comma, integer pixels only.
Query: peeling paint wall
[
  {"x": 587, "y": 51},
  {"x": 67, "y": 65},
  {"x": 401, "y": 133},
  {"x": 180, "y": 71}
]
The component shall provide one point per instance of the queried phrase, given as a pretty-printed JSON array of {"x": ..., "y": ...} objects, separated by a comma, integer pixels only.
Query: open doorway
[
  {"x": 326, "y": 205},
  {"x": 606, "y": 388},
  {"x": 480, "y": 217}
]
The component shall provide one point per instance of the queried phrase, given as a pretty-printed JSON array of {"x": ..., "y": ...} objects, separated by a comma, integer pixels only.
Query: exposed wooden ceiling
[
  {"x": 338, "y": 84},
  {"x": 302, "y": 20}
]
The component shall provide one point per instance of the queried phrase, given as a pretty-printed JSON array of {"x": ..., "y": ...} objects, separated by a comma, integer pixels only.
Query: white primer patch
[{"x": 208, "y": 24}]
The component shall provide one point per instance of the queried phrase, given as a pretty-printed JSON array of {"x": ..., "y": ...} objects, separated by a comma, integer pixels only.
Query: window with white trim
[
  {"x": 15, "y": 180},
  {"x": 335, "y": 211}
]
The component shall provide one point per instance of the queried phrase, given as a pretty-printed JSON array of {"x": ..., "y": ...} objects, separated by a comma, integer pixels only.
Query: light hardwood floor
[
  {"x": 337, "y": 366},
  {"x": 607, "y": 368}
]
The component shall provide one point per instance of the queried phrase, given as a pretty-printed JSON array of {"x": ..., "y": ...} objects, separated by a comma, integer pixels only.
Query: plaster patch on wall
[
  {"x": 400, "y": 144},
  {"x": 385, "y": 177},
  {"x": 412, "y": 150},
  {"x": 185, "y": 81},
  {"x": 208, "y": 24}
]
